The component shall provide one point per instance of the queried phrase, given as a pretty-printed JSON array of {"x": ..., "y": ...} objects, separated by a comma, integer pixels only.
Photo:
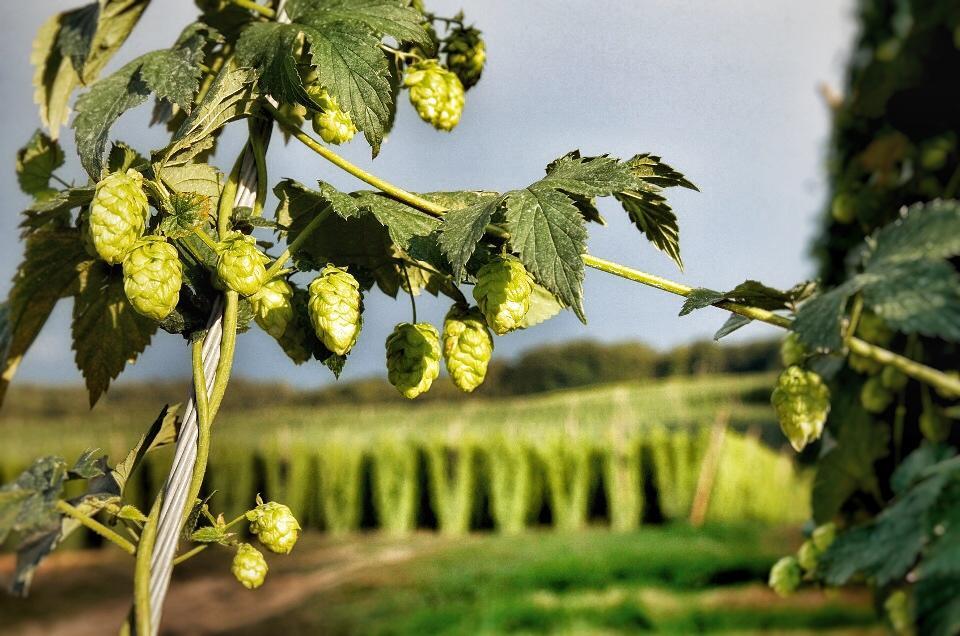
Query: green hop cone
[
  {"x": 249, "y": 567},
  {"x": 503, "y": 293},
  {"x": 466, "y": 54},
  {"x": 118, "y": 214},
  {"x": 152, "y": 275},
  {"x": 336, "y": 307},
  {"x": 934, "y": 426},
  {"x": 413, "y": 358},
  {"x": 436, "y": 93},
  {"x": 792, "y": 350},
  {"x": 467, "y": 347},
  {"x": 844, "y": 208},
  {"x": 874, "y": 397},
  {"x": 785, "y": 576},
  {"x": 274, "y": 525},
  {"x": 240, "y": 265},
  {"x": 802, "y": 402},
  {"x": 861, "y": 364},
  {"x": 824, "y": 535},
  {"x": 899, "y": 609},
  {"x": 874, "y": 330},
  {"x": 808, "y": 556},
  {"x": 332, "y": 123},
  {"x": 272, "y": 308},
  {"x": 893, "y": 379}
]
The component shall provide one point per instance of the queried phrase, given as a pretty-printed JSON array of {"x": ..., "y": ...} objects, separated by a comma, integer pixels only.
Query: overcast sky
[{"x": 726, "y": 92}]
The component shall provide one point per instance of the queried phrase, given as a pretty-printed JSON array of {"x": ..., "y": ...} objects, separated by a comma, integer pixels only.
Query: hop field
[{"x": 617, "y": 456}]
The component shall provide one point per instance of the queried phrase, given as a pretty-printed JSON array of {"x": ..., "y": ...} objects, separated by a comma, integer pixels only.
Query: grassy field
[
  {"x": 668, "y": 579},
  {"x": 617, "y": 455}
]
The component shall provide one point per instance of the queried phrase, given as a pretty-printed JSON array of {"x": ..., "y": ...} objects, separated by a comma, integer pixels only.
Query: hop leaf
[
  {"x": 467, "y": 347},
  {"x": 802, "y": 402},
  {"x": 413, "y": 358},
  {"x": 436, "y": 93},
  {"x": 332, "y": 123},
  {"x": 335, "y": 309},
  {"x": 249, "y": 567},
  {"x": 503, "y": 293},
  {"x": 272, "y": 308},
  {"x": 240, "y": 264},
  {"x": 118, "y": 215},
  {"x": 466, "y": 54},
  {"x": 152, "y": 276},
  {"x": 785, "y": 576},
  {"x": 275, "y": 526}
]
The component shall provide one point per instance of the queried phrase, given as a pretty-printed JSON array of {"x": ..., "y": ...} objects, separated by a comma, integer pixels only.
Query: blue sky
[{"x": 726, "y": 92}]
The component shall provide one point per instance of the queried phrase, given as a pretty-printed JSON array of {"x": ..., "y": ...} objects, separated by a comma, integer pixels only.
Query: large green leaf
[
  {"x": 462, "y": 230},
  {"x": 921, "y": 296},
  {"x": 386, "y": 17},
  {"x": 49, "y": 271},
  {"x": 107, "y": 332},
  {"x": 925, "y": 231},
  {"x": 35, "y": 164}
]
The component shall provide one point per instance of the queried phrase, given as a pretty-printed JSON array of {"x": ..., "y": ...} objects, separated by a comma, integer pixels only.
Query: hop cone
[
  {"x": 802, "y": 402},
  {"x": 466, "y": 53},
  {"x": 808, "y": 556},
  {"x": 333, "y": 124},
  {"x": 503, "y": 293},
  {"x": 900, "y": 613},
  {"x": 436, "y": 93},
  {"x": 792, "y": 350},
  {"x": 413, "y": 358},
  {"x": 240, "y": 264},
  {"x": 118, "y": 214},
  {"x": 933, "y": 424},
  {"x": 152, "y": 276},
  {"x": 249, "y": 567},
  {"x": 785, "y": 576},
  {"x": 824, "y": 535},
  {"x": 874, "y": 397},
  {"x": 272, "y": 308},
  {"x": 893, "y": 378},
  {"x": 467, "y": 346},
  {"x": 335, "y": 309},
  {"x": 275, "y": 526}
]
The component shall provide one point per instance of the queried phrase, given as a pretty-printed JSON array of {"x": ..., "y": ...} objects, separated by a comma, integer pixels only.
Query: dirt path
[{"x": 214, "y": 603}]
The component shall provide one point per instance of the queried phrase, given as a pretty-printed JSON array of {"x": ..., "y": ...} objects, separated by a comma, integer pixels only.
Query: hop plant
[
  {"x": 152, "y": 276},
  {"x": 436, "y": 93},
  {"x": 336, "y": 307},
  {"x": 802, "y": 402},
  {"x": 792, "y": 350},
  {"x": 249, "y": 567},
  {"x": 274, "y": 525},
  {"x": 466, "y": 54},
  {"x": 808, "y": 556},
  {"x": 874, "y": 396},
  {"x": 413, "y": 358},
  {"x": 332, "y": 123},
  {"x": 272, "y": 308},
  {"x": 824, "y": 535},
  {"x": 467, "y": 347},
  {"x": 118, "y": 214},
  {"x": 785, "y": 576},
  {"x": 240, "y": 265},
  {"x": 503, "y": 293}
]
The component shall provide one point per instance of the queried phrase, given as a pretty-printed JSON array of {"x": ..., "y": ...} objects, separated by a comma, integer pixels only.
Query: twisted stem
[{"x": 96, "y": 526}]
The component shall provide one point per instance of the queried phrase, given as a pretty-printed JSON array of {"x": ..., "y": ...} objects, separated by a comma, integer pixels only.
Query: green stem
[
  {"x": 260, "y": 161},
  {"x": 413, "y": 302},
  {"x": 141, "y": 572},
  {"x": 235, "y": 521},
  {"x": 190, "y": 553},
  {"x": 97, "y": 527},
  {"x": 227, "y": 347},
  {"x": 296, "y": 243},
  {"x": 911, "y": 368},
  {"x": 203, "y": 426},
  {"x": 228, "y": 196},
  {"x": 203, "y": 236},
  {"x": 266, "y": 12}
]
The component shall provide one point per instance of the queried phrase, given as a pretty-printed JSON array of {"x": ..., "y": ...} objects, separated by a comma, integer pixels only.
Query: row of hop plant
[{"x": 508, "y": 481}]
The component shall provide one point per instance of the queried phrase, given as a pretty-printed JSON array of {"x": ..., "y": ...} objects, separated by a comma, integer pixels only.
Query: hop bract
[
  {"x": 249, "y": 567},
  {"x": 332, "y": 123},
  {"x": 152, "y": 276},
  {"x": 436, "y": 93},
  {"x": 240, "y": 265},
  {"x": 272, "y": 308},
  {"x": 118, "y": 214},
  {"x": 335, "y": 308},
  {"x": 467, "y": 347},
  {"x": 503, "y": 293},
  {"x": 466, "y": 54},
  {"x": 785, "y": 576},
  {"x": 275, "y": 526},
  {"x": 802, "y": 402},
  {"x": 413, "y": 358}
]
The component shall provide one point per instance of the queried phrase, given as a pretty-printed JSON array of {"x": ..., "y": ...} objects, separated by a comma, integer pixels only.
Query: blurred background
[{"x": 619, "y": 477}]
